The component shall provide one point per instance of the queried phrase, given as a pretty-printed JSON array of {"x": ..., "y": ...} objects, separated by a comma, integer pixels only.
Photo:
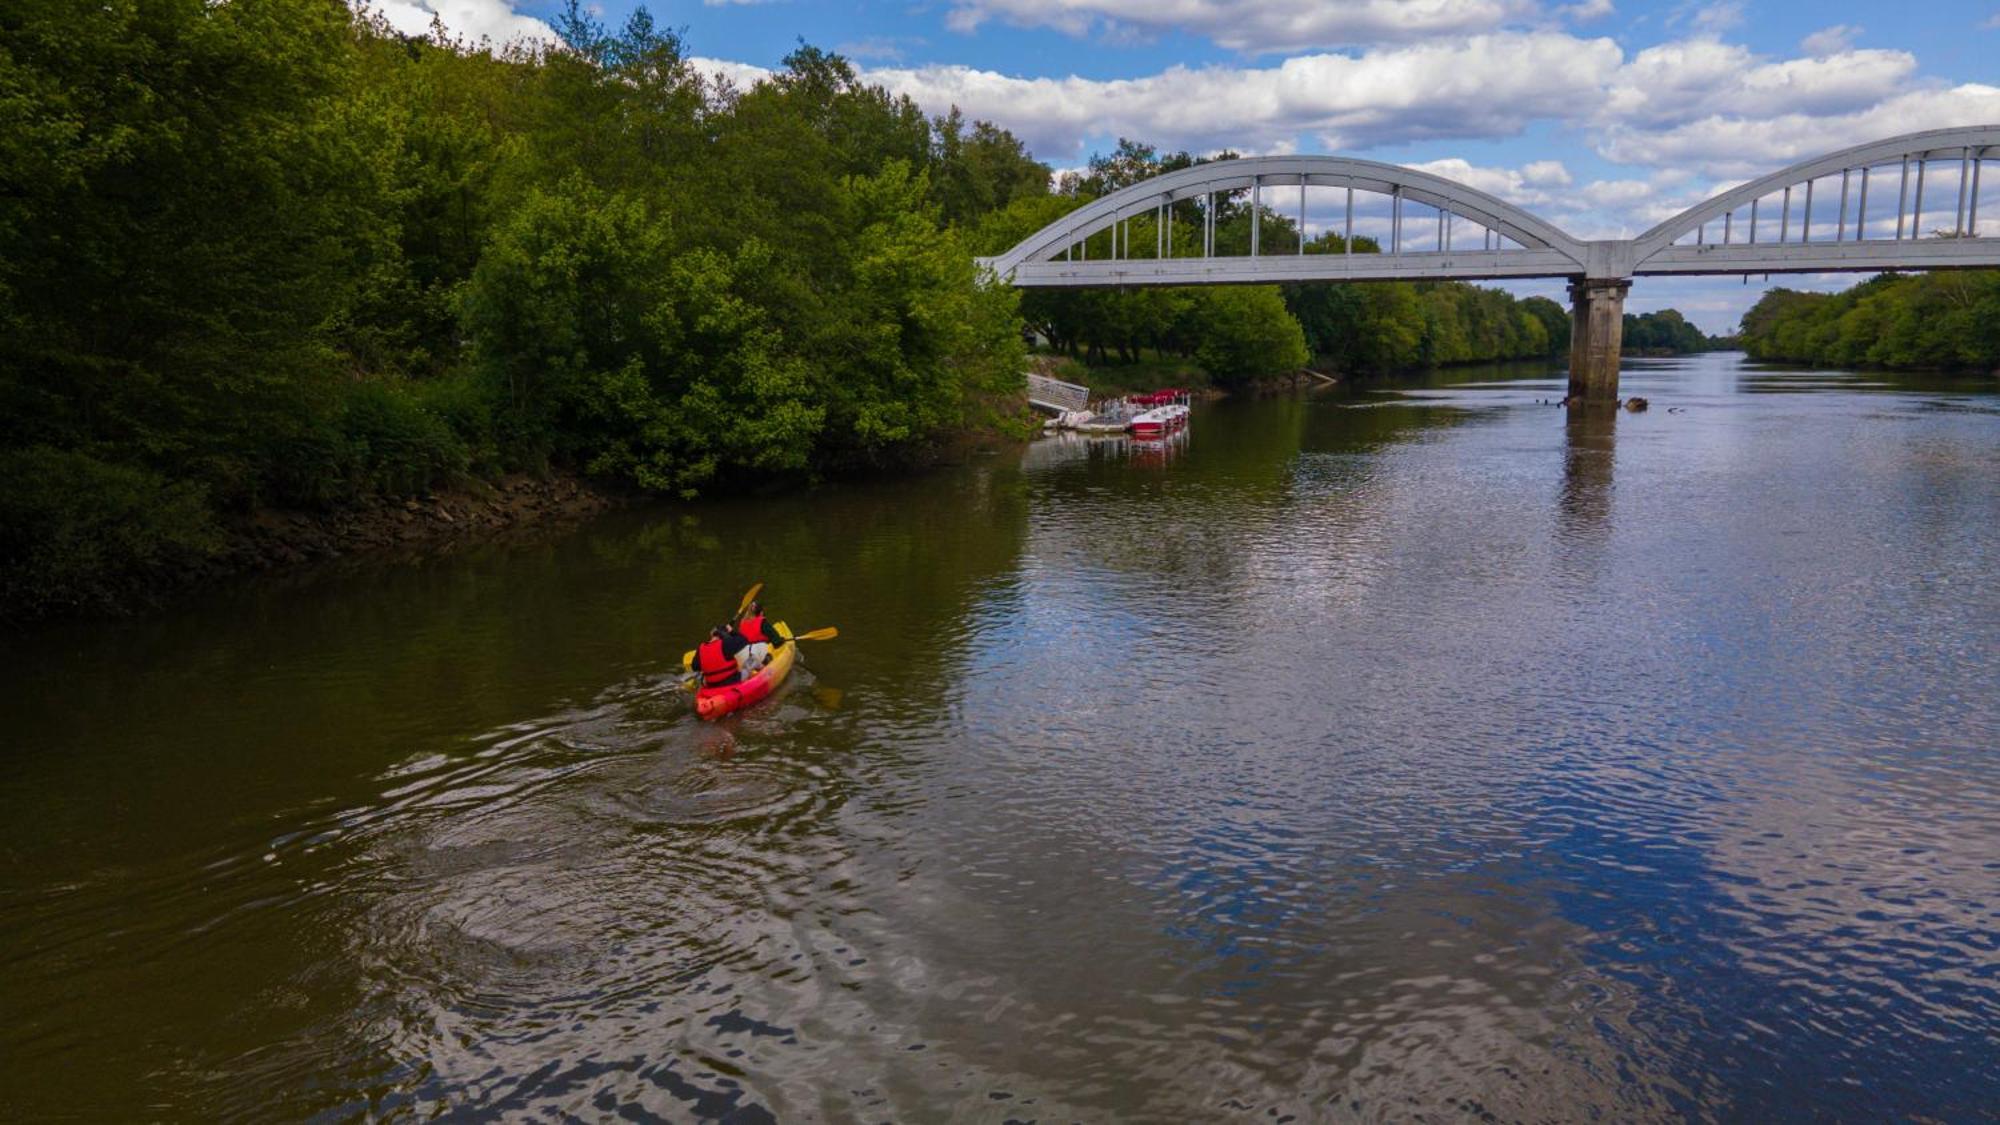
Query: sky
[{"x": 1602, "y": 116}]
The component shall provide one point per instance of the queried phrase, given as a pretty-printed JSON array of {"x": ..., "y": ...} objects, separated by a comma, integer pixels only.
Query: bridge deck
[
  {"x": 1294, "y": 267},
  {"x": 1793, "y": 257}
]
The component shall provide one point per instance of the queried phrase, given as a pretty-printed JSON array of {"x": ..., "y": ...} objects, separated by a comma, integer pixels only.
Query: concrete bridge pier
[{"x": 1597, "y": 332}]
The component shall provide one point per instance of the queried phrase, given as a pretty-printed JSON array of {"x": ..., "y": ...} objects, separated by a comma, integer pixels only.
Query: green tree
[
  {"x": 1555, "y": 322},
  {"x": 1247, "y": 334},
  {"x": 981, "y": 172}
]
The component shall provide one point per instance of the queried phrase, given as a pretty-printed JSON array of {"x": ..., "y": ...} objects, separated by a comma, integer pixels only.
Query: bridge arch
[
  {"x": 1601, "y": 271},
  {"x": 1838, "y": 236},
  {"x": 1539, "y": 247}
]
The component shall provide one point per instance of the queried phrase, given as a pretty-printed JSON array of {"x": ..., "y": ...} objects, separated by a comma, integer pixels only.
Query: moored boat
[
  {"x": 1164, "y": 412},
  {"x": 1159, "y": 421},
  {"x": 1144, "y": 416},
  {"x": 714, "y": 703}
]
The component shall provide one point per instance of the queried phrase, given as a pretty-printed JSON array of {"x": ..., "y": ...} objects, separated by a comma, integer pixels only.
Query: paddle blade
[
  {"x": 748, "y": 597},
  {"x": 687, "y": 659},
  {"x": 825, "y": 634}
]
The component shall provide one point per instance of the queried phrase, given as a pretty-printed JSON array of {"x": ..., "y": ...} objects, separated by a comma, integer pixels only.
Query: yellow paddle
[{"x": 750, "y": 595}]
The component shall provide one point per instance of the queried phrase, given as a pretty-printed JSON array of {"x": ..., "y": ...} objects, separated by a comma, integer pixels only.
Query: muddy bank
[{"x": 434, "y": 524}]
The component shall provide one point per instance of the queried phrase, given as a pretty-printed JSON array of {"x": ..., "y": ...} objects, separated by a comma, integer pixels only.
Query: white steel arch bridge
[{"x": 1863, "y": 208}]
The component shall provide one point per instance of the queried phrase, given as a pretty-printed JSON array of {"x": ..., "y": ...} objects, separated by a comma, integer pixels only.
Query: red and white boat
[{"x": 1160, "y": 413}]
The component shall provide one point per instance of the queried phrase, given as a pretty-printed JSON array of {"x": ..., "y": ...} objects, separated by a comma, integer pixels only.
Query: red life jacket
[
  {"x": 716, "y": 669},
  {"x": 752, "y": 629}
]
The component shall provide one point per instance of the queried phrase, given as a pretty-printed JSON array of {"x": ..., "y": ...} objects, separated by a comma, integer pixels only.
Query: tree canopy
[{"x": 272, "y": 252}]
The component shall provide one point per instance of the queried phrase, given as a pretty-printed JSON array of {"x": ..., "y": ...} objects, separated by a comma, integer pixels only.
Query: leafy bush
[
  {"x": 394, "y": 445},
  {"x": 360, "y": 440},
  {"x": 663, "y": 370},
  {"x": 78, "y": 533},
  {"x": 467, "y": 403}
]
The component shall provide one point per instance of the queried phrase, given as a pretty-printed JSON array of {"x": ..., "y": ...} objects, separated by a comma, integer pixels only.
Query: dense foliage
[
  {"x": 269, "y": 252},
  {"x": 1666, "y": 331},
  {"x": 1936, "y": 321}
]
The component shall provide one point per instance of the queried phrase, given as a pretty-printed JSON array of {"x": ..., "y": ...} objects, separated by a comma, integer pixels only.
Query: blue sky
[{"x": 1603, "y": 116}]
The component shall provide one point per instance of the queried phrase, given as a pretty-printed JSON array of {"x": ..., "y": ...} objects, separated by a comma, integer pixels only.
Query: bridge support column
[{"x": 1596, "y": 333}]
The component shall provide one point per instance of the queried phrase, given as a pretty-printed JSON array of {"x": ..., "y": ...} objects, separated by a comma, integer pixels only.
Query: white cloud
[
  {"x": 1484, "y": 86},
  {"x": 1654, "y": 109},
  {"x": 1746, "y": 146},
  {"x": 1830, "y": 40},
  {"x": 1586, "y": 10},
  {"x": 493, "y": 20},
  {"x": 1992, "y": 23},
  {"x": 1529, "y": 186},
  {"x": 1545, "y": 172},
  {"x": 741, "y": 75},
  {"x": 1256, "y": 25},
  {"x": 1672, "y": 113},
  {"x": 1699, "y": 78},
  {"x": 1718, "y": 17},
  {"x": 1620, "y": 194}
]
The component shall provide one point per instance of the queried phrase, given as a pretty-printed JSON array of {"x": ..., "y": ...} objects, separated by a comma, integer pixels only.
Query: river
[{"x": 1409, "y": 751}]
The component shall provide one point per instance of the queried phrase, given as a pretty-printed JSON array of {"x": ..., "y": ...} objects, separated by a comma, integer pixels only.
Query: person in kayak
[
  {"x": 762, "y": 639},
  {"x": 715, "y": 658}
]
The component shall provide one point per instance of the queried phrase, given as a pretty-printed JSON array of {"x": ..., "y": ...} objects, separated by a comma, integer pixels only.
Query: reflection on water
[
  {"x": 1590, "y": 451},
  {"x": 1420, "y": 751}
]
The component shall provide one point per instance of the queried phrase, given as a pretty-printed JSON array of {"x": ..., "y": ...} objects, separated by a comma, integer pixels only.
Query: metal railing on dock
[{"x": 1056, "y": 395}]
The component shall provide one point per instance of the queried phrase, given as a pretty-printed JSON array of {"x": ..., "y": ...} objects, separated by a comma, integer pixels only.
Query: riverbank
[
  {"x": 432, "y": 524},
  {"x": 270, "y": 539},
  {"x": 391, "y": 528}
]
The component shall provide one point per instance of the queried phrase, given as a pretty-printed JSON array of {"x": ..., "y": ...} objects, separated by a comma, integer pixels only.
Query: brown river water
[{"x": 1414, "y": 752}]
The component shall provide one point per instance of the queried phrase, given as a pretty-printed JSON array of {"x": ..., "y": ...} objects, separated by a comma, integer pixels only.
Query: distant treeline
[
  {"x": 1667, "y": 332},
  {"x": 1936, "y": 321},
  {"x": 269, "y": 252},
  {"x": 1241, "y": 333}
]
